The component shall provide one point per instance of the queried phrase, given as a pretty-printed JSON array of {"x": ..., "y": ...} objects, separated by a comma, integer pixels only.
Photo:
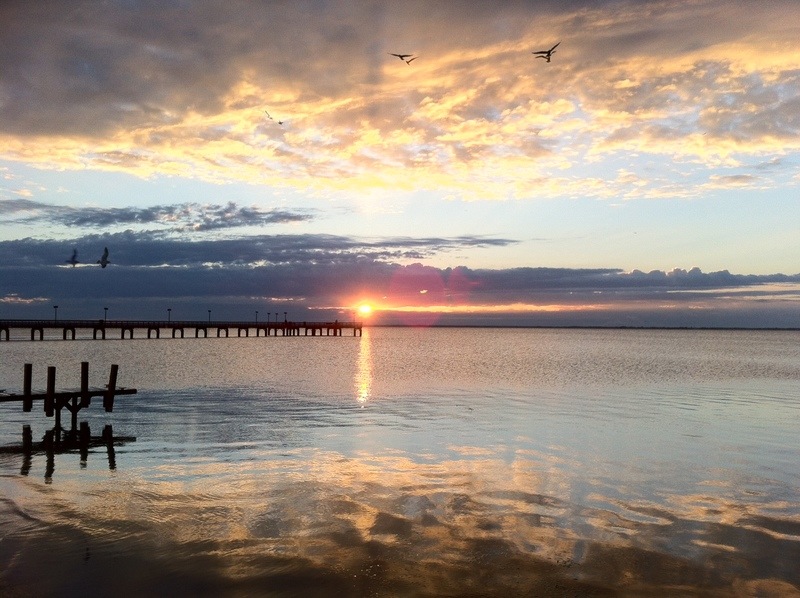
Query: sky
[{"x": 274, "y": 157}]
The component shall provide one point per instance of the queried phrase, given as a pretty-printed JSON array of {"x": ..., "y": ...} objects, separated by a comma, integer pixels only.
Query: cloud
[
  {"x": 733, "y": 181},
  {"x": 148, "y": 249},
  {"x": 187, "y": 217},
  {"x": 152, "y": 88},
  {"x": 326, "y": 272}
]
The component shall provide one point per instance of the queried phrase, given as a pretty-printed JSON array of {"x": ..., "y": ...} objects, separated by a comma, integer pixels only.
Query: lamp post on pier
[
  {"x": 169, "y": 315},
  {"x": 105, "y": 315},
  {"x": 284, "y": 316},
  {"x": 55, "y": 316},
  {"x": 209, "y": 316},
  {"x": 256, "y": 317}
]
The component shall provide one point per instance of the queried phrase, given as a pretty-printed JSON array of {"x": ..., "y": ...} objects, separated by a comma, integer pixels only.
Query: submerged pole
[
  {"x": 86, "y": 399},
  {"x": 49, "y": 399},
  {"x": 108, "y": 399},
  {"x": 27, "y": 401}
]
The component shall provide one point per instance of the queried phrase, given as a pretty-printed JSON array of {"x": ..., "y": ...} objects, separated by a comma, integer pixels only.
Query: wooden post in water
[
  {"x": 27, "y": 401},
  {"x": 86, "y": 399},
  {"x": 49, "y": 399},
  {"x": 76, "y": 405},
  {"x": 108, "y": 399}
]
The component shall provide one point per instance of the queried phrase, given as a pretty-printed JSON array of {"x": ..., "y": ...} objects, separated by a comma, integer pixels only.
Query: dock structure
[
  {"x": 74, "y": 400},
  {"x": 153, "y": 328}
]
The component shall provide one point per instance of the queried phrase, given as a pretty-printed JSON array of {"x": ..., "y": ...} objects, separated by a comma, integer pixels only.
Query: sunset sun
[{"x": 364, "y": 309}]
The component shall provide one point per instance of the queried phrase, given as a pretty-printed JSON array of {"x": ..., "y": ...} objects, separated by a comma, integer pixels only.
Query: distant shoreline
[{"x": 583, "y": 327}]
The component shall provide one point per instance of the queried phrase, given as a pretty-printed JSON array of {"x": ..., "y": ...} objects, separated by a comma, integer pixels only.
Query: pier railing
[{"x": 153, "y": 328}]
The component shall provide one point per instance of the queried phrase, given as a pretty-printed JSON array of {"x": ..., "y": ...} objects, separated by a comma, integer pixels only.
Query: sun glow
[{"x": 364, "y": 309}]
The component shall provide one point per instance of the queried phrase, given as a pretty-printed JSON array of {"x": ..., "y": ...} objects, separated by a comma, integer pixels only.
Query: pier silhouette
[{"x": 177, "y": 328}]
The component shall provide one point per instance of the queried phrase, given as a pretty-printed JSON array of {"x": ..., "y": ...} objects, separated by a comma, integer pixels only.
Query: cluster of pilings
[{"x": 73, "y": 400}]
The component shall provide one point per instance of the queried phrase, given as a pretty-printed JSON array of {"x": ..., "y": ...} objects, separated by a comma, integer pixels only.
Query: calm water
[{"x": 413, "y": 462}]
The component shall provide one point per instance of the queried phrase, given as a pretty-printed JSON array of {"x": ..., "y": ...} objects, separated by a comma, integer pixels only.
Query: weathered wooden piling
[
  {"x": 108, "y": 398},
  {"x": 74, "y": 400},
  {"x": 27, "y": 401},
  {"x": 49, "y": 399}
]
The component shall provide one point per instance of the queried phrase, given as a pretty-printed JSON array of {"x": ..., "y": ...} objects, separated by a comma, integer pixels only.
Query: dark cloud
[
  {"x": 72, "y": 68},
  {"x": 158, "y": 87},
  {"x": 304, "y": 273},
  {"x": 185, "y": 217},
  {"x": 147, "y": 249}
]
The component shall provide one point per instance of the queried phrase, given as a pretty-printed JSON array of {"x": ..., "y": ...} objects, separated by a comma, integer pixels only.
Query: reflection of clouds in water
[
  {"x": 363, "y": 379},
  {"x": 374, "y": 524}
]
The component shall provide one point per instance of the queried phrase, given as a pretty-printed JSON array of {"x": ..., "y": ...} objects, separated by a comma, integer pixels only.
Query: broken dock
[{"x": 74, "y": 400}]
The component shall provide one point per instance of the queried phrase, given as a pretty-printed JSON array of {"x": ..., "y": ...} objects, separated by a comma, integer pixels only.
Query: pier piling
[
  {"x": 108, "y": 398},
  {"x": 49, "y": 399},
  {"x": 74, "y": 400},
  {"x": 27, "y": 401}
]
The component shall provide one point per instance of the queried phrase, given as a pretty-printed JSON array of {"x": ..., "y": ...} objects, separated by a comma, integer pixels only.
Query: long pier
[{"x": 177, "y": 328}]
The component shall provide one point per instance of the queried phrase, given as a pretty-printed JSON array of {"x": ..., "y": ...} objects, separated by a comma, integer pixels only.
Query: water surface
[{"x": 414, "y": 462}]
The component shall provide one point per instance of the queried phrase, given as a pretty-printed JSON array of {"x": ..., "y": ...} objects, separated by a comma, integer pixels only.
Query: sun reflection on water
[{"x": 363, "y": 377}]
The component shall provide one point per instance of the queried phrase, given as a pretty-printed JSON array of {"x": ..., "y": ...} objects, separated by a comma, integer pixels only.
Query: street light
[
  {"x": 209, "y": 316},
  {"x": 169, "y": 315},
  {"x": 284, "y": 316},
  {"x": 256, "y": 317},
  {"x": 55, "y": 317},
  {"x": 105, "y": 314}
]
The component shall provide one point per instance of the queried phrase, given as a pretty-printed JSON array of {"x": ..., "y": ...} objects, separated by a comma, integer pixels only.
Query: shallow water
[{"x": 412, "y": 462}]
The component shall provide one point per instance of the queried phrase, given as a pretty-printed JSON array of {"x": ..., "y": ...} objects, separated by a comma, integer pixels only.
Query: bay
[{"x": 415, "y": 462}]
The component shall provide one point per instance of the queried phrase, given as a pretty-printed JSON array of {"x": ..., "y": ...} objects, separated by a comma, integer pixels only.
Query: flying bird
[
  {"x": 546, "y": 54},
  {"x": 74, "y": 259},
  {"x": 104, "y": 261},
  {"x": 407, "y": 58},
  {"x": 269, "y": 116}
]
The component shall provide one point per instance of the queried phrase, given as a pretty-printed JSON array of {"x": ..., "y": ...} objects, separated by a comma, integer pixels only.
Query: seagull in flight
[
  {"x": 269, "y": 116},
  {"x": 407, "y": 58},
  {"x": 104, "y": 261},
  {"x": 546, "y": 54},
  {"x": 74, "y": 259}
]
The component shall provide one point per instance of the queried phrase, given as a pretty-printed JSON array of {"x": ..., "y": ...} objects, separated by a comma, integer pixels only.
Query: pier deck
[{"x": 177, "y": 328}]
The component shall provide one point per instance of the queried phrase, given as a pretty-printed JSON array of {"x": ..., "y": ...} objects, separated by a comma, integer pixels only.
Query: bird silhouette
[
  {"x": 269, "y": 116},
  {"x": 104, "y": 261},
  {"x": 546, "y": 54},
  {"x": 407, "y": 58},
  {"x": 74, "y": 259}
]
